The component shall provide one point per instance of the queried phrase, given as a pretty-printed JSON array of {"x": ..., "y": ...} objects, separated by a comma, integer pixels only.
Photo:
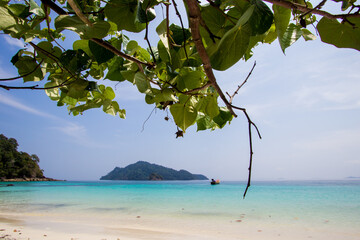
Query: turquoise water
[{"x": 334, "y": 203}]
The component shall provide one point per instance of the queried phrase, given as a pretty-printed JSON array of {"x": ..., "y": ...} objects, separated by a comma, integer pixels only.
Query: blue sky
[{"x": 306, "y": 105}]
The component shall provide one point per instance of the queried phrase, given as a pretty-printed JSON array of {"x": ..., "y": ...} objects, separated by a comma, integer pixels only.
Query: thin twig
[
  {"x": 22, "y": 76},
  {"x": 35, "y": 87},
  {"x": 192, "y": 91},
  {"x": 146, "y": 37},
  {"x": 182, "y": 26},
  {"x": 143, "y": 126},
  {"x": 302, "y": 8},
  {"x": 121, "y": 54},
  {"x": 221, "y": 11},
  {"x": 237, "y": 90},
  {"x": 319, "y": 6},
  {"x": 167, "y": 21},
  {"x": 48, "y": 25}
]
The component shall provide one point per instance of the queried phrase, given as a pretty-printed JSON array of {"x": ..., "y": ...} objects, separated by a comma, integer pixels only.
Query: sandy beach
[{"x": 48, "y": 228}]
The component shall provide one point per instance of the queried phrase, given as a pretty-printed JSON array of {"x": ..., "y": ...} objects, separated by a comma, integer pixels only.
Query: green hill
[
  {"x": 15, "y": 164},
  {"x": 146, "y": 171}
]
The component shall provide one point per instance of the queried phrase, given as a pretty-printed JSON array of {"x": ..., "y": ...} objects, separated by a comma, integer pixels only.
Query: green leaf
[
  {"x": 142, "y": 82},
  {"x": 100, "y": 53},
  {"x": 53, "y": 93},
  {"x": 144, "y": 15},
  {"x": 205, "y": 122},
  {"x": 161, "y": 31},
  {"x": 307, "y": 35},
  {"x": 341, "y": 35},
  {"x": 6, "y": 20},
  {"x": 83, "y": 45},
  {"x": 223, "y": 117},
  {"x": 261, "y": 19},
  {"x": 163, "y": 95},
  {"x": 213, "y": 18},
  {"x": 184, "y": 115},
  {"x": 34, "y": 8},
  {"x": 92, "y": 86},
  {"x": 109, "y": 93},
  {"x": 96, "y": 70},
  {"x": 177, "y": 34},
  {"x": 282, "y": 19},
  {"x": 234, "y": 44},
  {"x": 48, "y": 47},
  {"x": 75, "y": 61},
  {"x": 20, "y": 10},
  {"x": 93, "y": 103},
  {"x": 291, "y": 35},
  {"x": 77, "y": 89},
  {"x": 73, "y": 23},
  {"x": 115, "y": 68},
  {"x": 27, "y": 64},
  {"x": 212, "y": 108},
  {"x": 191, "y": 79},
  {"x": 123, "y": 13},
  {"x": 109, "y": 108}
]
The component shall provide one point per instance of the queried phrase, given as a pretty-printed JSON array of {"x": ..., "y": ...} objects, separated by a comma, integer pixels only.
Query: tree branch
[
  {"x": 250, "y": 124},
  {"x": 79, "y": 13},
  {"x": 302, "y": 8},
  {"x": 35, "y": 87},
  {"x": 54, "y": 7},
  {"x": 319, "y": 6},
  {"x": 118, "y": 53},
  {"x": 195, "y": 18}
]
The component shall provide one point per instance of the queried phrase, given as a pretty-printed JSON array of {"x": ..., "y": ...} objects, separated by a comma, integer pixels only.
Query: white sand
[{"x": 150, "y": 228}]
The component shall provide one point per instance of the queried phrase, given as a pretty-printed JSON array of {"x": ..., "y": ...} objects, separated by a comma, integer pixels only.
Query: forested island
[
  {"x": 16, "y": 165},
  {"x": 142, "y": 170}
]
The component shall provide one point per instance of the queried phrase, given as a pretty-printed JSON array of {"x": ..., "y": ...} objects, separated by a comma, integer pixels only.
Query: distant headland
[
  {"x": 142, "y": 170},
  {"x": 17, "y": 166}
]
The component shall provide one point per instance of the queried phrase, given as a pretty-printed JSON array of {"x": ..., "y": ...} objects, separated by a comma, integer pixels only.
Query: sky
[{"x": 306, "y": 105}]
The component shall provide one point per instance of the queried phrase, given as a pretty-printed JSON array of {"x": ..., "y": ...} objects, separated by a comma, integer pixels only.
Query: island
[
  {"x": 17, "y": 166},
  {"x": 142, "y": 170}
]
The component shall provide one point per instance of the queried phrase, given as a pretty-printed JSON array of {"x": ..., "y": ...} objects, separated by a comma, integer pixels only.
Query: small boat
[{"x": 213, "y": 182}]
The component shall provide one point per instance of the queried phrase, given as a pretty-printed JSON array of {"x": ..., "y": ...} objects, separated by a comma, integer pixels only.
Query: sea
[{"x": 270, "y": 210}]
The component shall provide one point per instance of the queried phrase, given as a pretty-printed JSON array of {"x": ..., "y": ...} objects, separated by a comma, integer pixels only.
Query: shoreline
[{"x": 45, "y": 179}]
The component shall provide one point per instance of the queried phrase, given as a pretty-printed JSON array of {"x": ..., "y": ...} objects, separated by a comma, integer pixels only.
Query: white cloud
[
  {"x": 76, "y": 132},
  {"x": 330, "y": 96},
  {"x": 10, "y": 101},
  {"x": 72, "y": 129},
  {"x": 14, "y": 42}
]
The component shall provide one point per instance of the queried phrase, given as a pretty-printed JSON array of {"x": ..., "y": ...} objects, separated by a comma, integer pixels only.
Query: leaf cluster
[{"x": 170, "y": 74}]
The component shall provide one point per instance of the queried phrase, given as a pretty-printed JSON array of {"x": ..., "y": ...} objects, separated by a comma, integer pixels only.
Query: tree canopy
[{"x": 175, "y": 73}]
